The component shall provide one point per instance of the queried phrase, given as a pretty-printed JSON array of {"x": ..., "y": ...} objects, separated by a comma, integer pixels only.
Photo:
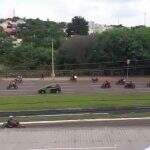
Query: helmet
[{"x": 75, "y": 77}]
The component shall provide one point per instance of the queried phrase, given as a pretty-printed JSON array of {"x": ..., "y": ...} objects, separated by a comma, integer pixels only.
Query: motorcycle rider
[
  {"x": 42, "y": 76},
  {"x": 12, "y": 122},
  {"x": 106, "y": 83},
  {"x": 12, "y": 83},
  {"x": 94, "y": 78},
  {"x": 19, "y": 78},
  {"x": 74, "y": 77}
]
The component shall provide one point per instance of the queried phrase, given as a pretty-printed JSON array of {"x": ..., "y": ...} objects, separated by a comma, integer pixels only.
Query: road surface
[
  {"x": 77, "y": 137},
  {"x": 83, "y": 86}
]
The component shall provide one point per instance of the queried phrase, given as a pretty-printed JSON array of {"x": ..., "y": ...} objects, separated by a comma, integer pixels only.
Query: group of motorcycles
[
  {"x": 14, "y": 83},
  {"x": 107, "y": 84},
  {"x": 94, "y": 79},
  {"x": 129, "y": 85}
]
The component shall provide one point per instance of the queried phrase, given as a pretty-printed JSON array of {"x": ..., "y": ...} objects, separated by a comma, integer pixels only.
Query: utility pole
[
  {"x": 118, "y": 19},
  {"x": 14, "y": 12},
  {"x": 128, "y": 63},
  {"x": 145, "y": 15},
  {"x": 53, "y": 68}
]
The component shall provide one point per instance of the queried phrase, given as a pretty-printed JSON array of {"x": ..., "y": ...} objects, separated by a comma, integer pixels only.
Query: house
[{"x": 98, "y": 28}]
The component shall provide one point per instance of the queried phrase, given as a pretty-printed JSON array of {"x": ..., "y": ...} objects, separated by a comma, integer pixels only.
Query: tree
[
  {"x": 5, "y": 46},
  {"x": 78, "y": 26},
  {"x": 40, "y": 33},
  {"x": 75, "y": 50},
  {"x": 116, "y": 44},
  {"x": 26, "y": 56},
  {"x": 143, "y": 34}
]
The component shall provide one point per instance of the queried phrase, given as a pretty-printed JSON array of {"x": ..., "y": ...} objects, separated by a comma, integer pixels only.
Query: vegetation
[
  {"x": 40, "y": 33},
  {"x": 35, "y": 50},
  {"x": 116, "y": 44},
  {"x": 78, "y": 26},
  {"x": 75, "y": 50},
  {"x": 73, "y": 101}
]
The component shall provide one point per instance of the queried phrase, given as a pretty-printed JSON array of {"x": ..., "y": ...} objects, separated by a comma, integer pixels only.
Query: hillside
[{"x": 26, "y": 44}]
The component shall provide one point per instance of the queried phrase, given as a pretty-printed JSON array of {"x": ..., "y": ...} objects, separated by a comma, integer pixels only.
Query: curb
[
  {"x": 75, "y": 111},
  {"x": 116, "y": 120}
]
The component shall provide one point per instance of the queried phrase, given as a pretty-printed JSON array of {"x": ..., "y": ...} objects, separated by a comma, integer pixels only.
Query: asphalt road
[
  {"x": 77, "y": 137},
  {"x": 83, "y": 86}
]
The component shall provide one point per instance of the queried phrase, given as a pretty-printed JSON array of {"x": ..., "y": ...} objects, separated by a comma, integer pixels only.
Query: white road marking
[
  {"x": 79, "y": 148},
  {"x": 83, "y": 120},
  {"x": 18, "y": 90},
  {"x": 79, "y": 114}
]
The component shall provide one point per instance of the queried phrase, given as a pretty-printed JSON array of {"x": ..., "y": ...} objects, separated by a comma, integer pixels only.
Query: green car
[{"x": 50, "y": 89}]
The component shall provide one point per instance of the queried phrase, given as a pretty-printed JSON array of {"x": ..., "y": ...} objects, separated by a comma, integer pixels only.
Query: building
[
  {"x": 97, "y": 28},
  {"x": 10, "y": 25}
]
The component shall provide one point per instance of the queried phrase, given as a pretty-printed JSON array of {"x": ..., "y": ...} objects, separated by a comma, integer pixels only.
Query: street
[
  {"x": 77, "y": 137},
  {"x": 83, "y": 86}
]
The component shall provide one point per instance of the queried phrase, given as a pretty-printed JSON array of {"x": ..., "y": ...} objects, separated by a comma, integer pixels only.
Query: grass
[{"x": 41, "y": 102}]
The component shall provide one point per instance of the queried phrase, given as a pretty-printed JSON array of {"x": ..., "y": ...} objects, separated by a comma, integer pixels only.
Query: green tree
[
  {"x": 5, "y": 46},
  {"x": 26, "y": 56},
  {"x": 78, "y": 26},
  {"x": 116, "y": 44},
  {"x": 40, "y": 33},
  {"x": 74, "y": 50},
  {"x": 143, "y": 34}
]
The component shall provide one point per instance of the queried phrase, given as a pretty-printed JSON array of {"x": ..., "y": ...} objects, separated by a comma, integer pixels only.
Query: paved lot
[
  {"x": 84, "y": 85},
  {"x": 76, "y": 137}
]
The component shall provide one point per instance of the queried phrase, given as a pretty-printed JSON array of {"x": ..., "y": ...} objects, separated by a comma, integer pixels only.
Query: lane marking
[
  {"x": 79, "y": 148},
  {"x": 18, "y": 90},
  {"x": 79, "y": 114},
  {"x": 82, "y": 120}
]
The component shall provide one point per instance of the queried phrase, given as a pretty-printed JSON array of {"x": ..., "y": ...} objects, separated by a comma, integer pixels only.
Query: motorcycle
[
  {"x": 94, "y": 79},
  {"x": 73, "y": 78},
  {"x": 12, "y": 86},
  {"x": 18, "y": 80},
  {"x": 14, "y": 125},
  {"x": 106, "y": 85},
  {"x": 120, "y": 82},
  {"x": 129, "y": 85}
]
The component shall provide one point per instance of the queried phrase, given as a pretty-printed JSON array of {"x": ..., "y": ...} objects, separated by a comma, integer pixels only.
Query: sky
[{"x": 110, "y": 12}]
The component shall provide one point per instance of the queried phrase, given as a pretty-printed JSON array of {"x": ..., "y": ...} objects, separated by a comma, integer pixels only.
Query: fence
[{"x": 119, "y": 68}]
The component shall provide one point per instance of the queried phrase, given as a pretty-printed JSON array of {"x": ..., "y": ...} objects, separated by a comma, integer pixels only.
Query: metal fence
[{"x": 120, "y": 68}]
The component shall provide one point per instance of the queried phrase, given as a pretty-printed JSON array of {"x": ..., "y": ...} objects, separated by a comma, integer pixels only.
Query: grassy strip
[{"x": 41, "y": 102}]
